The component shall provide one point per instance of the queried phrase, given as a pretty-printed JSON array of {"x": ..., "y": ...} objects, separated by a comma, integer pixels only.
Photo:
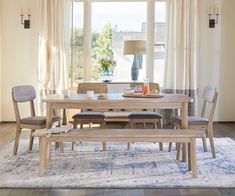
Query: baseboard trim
[
  {"x": 8, "y": 122},
  {"x": 224, "y": 122}
]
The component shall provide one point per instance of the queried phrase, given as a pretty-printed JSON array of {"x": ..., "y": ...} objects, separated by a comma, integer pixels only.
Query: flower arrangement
[{"x": 106, "y": 65}]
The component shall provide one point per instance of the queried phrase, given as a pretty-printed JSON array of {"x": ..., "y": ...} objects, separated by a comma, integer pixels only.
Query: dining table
[{"x": 118, "y": 101}]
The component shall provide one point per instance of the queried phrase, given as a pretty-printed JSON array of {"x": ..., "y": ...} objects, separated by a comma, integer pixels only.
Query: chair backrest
[
  {"x": 25, "y": 93},
  {"x": 210, "y": 96},
  {"x": 96, "y": 87},
  {"x": 152, "y": 85}
]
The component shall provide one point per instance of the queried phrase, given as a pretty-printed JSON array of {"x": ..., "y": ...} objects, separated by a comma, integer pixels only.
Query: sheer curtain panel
[
  {"x": 182, "y": 50},
  {"x": 54, "y": 38}
]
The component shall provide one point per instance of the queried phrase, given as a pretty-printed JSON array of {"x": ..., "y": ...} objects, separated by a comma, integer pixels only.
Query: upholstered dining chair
[
  {"x": 146, "y": 117},
  {"x": 88, "y": 116},
  {"x": 23, "y": 94},
  {"x": 203, "y": 123}
]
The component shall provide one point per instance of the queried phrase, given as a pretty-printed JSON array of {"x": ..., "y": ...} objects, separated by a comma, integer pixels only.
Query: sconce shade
[{"x": 134, "y": 47}]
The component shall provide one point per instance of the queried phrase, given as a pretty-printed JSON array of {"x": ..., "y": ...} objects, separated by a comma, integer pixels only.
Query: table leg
[
  {"x": 193, "y": 157},
  {"x": 42, "y": 155},
  {"x": 48, "y": 154},
  {"x": 49, "y": 115},
  {"x": 184, "y": 119}
]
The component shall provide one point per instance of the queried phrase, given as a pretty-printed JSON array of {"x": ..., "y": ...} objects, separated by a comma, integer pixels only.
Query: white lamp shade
[{"x": 134, "y": 47}]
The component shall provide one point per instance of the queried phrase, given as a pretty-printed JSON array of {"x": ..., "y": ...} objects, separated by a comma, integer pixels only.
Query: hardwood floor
[{"x": 7, "y": 133}]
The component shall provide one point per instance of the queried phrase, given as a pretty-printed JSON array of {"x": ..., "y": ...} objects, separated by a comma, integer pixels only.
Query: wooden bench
[{"x": 119, "y": 135}]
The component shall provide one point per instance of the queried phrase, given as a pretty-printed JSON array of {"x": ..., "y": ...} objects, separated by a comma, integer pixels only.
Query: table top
[{"x": 60, "y": 98}]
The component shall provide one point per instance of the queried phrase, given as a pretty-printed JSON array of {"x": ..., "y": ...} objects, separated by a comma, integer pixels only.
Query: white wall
[
  {"x": 216, "y": 56},
  {"x": 227, "y": 63},
  {"x": 19, "y": 51}
]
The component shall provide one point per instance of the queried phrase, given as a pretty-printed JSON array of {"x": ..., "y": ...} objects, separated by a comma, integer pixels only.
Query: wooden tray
[{"x": 144, "y": 95}]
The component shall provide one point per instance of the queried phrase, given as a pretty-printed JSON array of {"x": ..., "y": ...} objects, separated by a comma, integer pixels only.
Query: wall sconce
[
  {"x": 213, "y": 16},
  {"x": 26, "y": 22}
]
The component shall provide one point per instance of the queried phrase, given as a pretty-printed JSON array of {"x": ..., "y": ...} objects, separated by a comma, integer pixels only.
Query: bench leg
[
  {"x": 193, "y": 157},
  {"x": 43, "y": 155}
]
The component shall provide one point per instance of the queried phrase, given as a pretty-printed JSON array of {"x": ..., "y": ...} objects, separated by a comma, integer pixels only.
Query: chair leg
[
  {"x": 104, "y": 146},
  {"x": 131, "y": 126},
  {"x": 159, "y": 126},
  {"x": 75, "y": 124},
  {"x": 204, "y": 143},
  {"x": 17, "y": 138},
  {"x": 128, "y": 146},
  {"x": 210, "y": 135},
  {"x": 178, "y": 148},
  {"x": 73, "y": 143},
  {"x": 170, "y": 143},
  {"x": 31, "y": 140},
  {"x": 170, "y": 147},
  {"x": 102, "y": 125},
  {"x": 61, "y": 145}
]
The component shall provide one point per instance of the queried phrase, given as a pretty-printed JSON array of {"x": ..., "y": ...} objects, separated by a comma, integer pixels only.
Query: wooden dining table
[{"x": 117, "y": 101}]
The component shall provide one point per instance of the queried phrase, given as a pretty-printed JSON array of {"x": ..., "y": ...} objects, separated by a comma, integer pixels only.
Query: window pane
[
  {"x": 76, "y": 72},
  {"x": 160, "y": 40},
  {"x": 125, "y": 21}
]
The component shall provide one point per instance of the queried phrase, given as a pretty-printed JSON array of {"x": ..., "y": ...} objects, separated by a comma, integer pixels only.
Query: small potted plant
[{"x": 106, "y": 67}]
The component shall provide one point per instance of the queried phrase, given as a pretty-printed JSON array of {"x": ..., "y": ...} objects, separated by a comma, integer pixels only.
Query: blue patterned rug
[{"x": 142, "y": 167}]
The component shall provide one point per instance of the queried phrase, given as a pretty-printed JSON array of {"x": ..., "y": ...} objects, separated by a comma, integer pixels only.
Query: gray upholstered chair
[
  {"x": 88, "y": 116},
  {"x": 22, "y": 94},
  {"x": 203, "y": 123},
  {"x": 146, "y": 117}
]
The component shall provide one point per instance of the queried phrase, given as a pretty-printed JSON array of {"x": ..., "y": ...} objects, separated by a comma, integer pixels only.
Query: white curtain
[
  {"x": 54, "y": 25},
  {"x": 54, "y": 39},
  {"x": 182, "y": 49},
  {"x": 182, "y": 43}
]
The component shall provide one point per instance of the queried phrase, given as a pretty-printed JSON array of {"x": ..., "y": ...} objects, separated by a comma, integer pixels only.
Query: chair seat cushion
[
  {"x": 38, "y": 120},
  {"x": 144, "y": 115},
  {"x": 89, "y": 115},
  {"x": 192, "y": 120}
]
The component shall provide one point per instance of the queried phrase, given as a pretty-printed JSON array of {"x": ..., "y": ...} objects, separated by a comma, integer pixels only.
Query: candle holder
[
  {"x": 213, "y": 17},
  {"x": 26, "y": 22}
]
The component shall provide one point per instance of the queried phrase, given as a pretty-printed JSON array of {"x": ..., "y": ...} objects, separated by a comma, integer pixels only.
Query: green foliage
[
  {"x": 106, "y": 65},
  {"x": 103, "y": 54}
]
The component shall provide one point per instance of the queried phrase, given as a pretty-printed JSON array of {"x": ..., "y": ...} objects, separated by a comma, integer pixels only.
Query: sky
[{"x": 128, "y": 16}]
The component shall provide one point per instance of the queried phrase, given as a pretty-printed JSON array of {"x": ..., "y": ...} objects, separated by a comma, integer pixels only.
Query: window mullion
[
  {"x": 87, "y": 41},
  {"x": 150, "y": 39}
]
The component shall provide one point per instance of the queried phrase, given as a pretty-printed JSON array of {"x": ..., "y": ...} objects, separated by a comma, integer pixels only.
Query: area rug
[{"x": 142, "y": 167}]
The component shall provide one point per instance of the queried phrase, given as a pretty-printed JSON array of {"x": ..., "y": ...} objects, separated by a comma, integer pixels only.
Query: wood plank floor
[{"x": 7, "y": 133}]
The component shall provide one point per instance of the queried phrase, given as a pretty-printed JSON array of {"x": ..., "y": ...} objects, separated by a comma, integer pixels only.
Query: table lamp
[{"x": 137, "y": 48}]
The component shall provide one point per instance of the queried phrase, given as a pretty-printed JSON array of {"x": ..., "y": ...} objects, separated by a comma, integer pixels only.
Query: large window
[
  {"x": 77, "y": 63},
  {"x": 108, "y": 24},
  {"x": 160, "y": 41},
  {"x": 125, "y": 21}
]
